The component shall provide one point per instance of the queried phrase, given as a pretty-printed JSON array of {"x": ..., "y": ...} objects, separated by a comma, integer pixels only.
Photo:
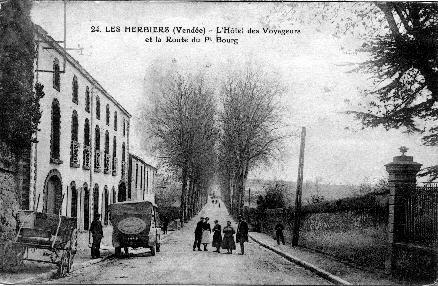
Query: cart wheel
[
  {"x": 153, "y": 250},
  {"x": 73, "y": 248},
  {"x": 63, "y": 266},
  {"x": 74, "y": 241},
  {"x": 70, "y": 255}
]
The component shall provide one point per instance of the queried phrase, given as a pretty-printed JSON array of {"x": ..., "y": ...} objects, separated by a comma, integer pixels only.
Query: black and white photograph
[{"x": 218, "y": 143}]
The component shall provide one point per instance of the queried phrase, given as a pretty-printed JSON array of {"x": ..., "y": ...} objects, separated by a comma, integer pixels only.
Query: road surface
[{"x": 177, "y": 263}]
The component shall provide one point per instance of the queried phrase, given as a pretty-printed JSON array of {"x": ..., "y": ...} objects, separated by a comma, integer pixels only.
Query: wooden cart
[{"x": 54, "y": 233}]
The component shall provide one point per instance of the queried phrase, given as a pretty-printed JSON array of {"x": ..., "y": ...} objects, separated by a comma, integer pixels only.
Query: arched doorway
[
  {"x": 122, "y": 192},
  {"x": 74, "y": 200},
  {"x": 96, "y": 200},
  {"x": 53, "y": 192},
  {"x": 86, "y": 207}
]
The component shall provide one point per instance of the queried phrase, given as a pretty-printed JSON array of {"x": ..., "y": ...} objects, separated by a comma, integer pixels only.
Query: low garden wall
[{"x": 351, "y": 229}]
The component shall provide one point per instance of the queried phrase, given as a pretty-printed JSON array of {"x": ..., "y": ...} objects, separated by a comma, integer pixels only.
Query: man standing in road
[
  {"x": 279, "y": 233},
  {"x": 165, "y": 225},
  {"x": 198, "y": 234},
  {"x": 242, "y": 234},
  {"x": 96, "y": 232}
]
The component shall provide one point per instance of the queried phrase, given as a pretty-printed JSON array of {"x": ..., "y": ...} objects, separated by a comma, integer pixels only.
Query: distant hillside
[{"x": 328, "y": 191}]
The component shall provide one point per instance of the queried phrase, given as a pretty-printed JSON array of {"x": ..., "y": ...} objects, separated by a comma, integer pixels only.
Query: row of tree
[
  {"x": 181, "y": 123},
  {"x": 203, "y": 143},
  {"x": 400, "y": 42}
]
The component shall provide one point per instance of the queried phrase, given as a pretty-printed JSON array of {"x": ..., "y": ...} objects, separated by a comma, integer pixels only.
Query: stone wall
[
  {"x": 351, "y": 229},
  {"x": 13, "y": 183}
]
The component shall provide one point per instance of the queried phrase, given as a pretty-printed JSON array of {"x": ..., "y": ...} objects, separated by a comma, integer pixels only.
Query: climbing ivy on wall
[
  {"x": 19, "y": 114},
  {"x": 19, "y": 99}
]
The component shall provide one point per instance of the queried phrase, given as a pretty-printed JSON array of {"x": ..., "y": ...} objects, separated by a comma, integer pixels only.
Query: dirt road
[{"x": 177, "y": 263}]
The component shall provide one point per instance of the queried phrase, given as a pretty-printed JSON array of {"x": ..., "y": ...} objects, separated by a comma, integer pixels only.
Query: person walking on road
[
  {"x": 165, "y": 225},
  {"x": 228, "y": 239},
  {"x": 96, "y": 232},
  {"x": 206, "y": 231},
  {"x": 279, "y": 233},
  {"x": 217, "y": 236},
  {"x": 198, "y": 235},
  {"x": 242, "y": 234}
]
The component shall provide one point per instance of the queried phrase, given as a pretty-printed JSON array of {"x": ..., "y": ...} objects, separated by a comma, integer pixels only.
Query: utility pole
[{"x": 297, "y": 216}]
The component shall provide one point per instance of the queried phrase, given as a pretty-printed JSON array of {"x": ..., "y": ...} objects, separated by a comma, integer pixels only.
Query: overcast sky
[{"x": 311, "y": 65}]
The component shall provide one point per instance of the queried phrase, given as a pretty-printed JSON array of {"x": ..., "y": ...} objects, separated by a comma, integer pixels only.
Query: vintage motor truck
[{"x": 135, "y": 224}]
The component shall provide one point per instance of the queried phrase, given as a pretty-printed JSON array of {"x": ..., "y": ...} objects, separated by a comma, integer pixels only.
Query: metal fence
[{"x": 418, "y": 222}]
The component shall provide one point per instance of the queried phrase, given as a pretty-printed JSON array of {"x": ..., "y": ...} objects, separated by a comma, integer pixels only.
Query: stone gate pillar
[{"x": 402, "y": 173}]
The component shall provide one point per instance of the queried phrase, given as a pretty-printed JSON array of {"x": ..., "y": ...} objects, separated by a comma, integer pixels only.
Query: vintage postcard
[{"x": 174, "y": 142}]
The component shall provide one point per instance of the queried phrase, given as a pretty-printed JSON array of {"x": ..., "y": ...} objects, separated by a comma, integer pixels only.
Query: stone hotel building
[{"x": 80, "y": 164}]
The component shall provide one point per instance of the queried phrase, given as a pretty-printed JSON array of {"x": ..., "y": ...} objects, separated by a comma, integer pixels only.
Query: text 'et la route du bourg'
[{"x": 222, "y": 33}]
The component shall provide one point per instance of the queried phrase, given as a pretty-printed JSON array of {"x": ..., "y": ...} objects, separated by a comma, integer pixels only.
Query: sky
[{"x": 311, "y": 64}]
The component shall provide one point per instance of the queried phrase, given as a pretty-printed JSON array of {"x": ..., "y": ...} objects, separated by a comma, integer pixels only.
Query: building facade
[
  {"x": 79, "y": 165},
  {"x": 141, "y": 179}
]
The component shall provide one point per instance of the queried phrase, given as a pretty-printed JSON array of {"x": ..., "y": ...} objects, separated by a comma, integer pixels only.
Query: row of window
[
  {"x": 56, "y": 136},
  {"x": 144, "y": 177},
  {"x": 75, "y": 97}
]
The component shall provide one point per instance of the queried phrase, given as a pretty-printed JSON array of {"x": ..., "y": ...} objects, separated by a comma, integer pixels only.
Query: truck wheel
[
  {"x": 153, "y": 250},
  {"x": 158, "y": 247},
  {"x": 118, "y": 251}
]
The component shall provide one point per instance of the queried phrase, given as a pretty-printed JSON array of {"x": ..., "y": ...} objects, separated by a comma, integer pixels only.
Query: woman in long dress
[
  {"x": 217, "y": 236},
  {"x": 206, "y": 231},
  {"x": 228, "y": 239}
]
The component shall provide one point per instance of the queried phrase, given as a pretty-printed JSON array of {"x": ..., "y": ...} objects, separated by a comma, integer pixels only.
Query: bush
[{"x": 274, "y": 198}]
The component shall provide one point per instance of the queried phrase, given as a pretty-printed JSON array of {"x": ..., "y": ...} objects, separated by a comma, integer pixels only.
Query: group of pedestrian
[
  {"x": 203, "y": 232},
  {"x": 215, "y": 202}
]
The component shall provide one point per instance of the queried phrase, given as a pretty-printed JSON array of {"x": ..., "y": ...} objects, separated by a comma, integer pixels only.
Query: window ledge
[
  {"x": 74, "y": 165},
  {"x": 55, "y": 161}
]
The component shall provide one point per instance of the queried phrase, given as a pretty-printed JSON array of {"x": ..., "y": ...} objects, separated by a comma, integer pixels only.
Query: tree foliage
[
  {"x": 19, "y": 112},
  {"x": 251, "y": 127},
  {"x": 404, "y": 65},
  {"x": 399, "y": 41},
  {"x": 182, "y": 124},
  {"x": 19, "y": 109},
  {"x": 275, "y": 196}
]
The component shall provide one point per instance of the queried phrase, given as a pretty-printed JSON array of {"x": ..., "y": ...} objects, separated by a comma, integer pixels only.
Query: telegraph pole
[{"x": 297, "y": 216}]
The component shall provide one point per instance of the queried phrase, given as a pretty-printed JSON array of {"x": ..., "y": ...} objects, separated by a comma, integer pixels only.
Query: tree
[
  {"x": 251, "y": 127},
  {"x": 400, "y": 42},
  {"x": 275, "y": 196},
  {"x": 405, "y": 66},
  {"x": 19, "y": 112},
  {"x": 19, "y": 109},
  {"x": 181, "y": 122}
]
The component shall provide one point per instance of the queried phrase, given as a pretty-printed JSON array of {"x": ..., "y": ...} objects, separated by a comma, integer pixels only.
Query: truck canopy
[{"x": 131, "y": 218}]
